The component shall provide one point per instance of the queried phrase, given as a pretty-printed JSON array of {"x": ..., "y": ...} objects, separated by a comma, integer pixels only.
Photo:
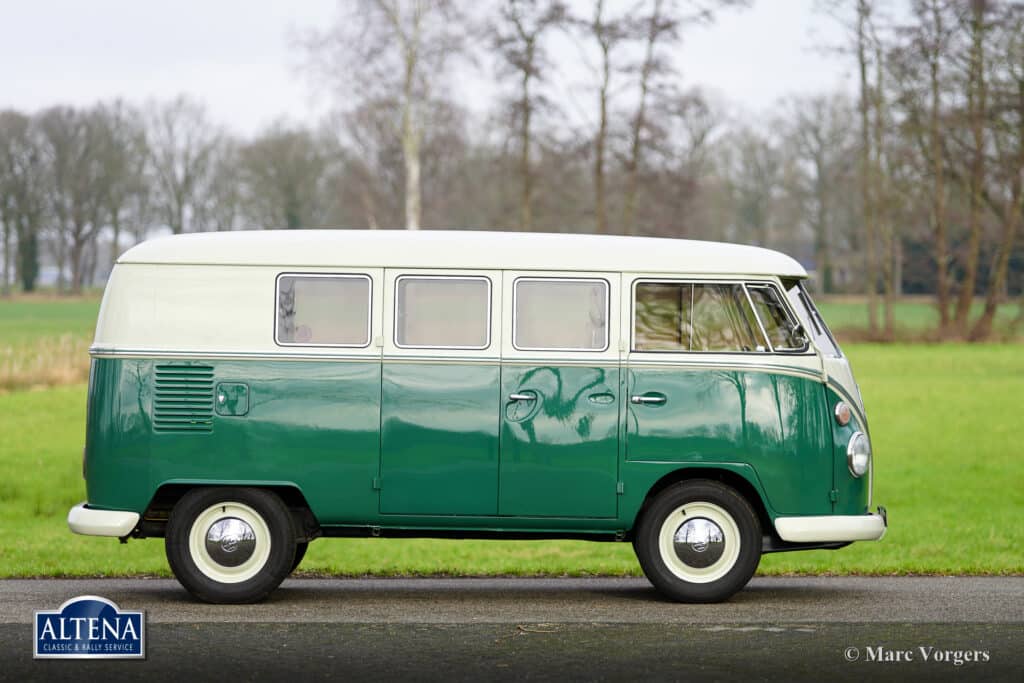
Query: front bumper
[
  {"x": 85, "y": 520},
  {"x": 833, "y": 528}
]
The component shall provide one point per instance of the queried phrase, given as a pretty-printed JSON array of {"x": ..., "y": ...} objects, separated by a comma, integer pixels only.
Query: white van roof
[{"x": 461, "y": 249}]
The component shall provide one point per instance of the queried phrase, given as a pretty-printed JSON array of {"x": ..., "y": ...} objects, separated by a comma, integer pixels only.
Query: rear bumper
[
  {"x": 833, "y": 528},
  {"x": 84, "y": 520}
]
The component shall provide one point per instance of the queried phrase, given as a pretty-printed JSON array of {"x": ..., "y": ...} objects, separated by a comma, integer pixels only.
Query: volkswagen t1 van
[{"x": 251, "y": 392}]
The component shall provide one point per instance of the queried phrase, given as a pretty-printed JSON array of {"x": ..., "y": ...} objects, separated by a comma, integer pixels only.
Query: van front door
[
  {"x": 559, "y": 396},
  {"x": 705, "y": 389}
]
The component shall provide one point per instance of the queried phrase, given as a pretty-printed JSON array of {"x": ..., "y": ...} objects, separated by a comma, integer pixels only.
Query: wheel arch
[
  {"x": 167, "y": 495},
  {"x": 734, "y": 480}
]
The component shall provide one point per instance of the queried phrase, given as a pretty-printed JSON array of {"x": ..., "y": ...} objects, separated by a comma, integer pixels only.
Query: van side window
[
  {"x": 443, "y": 312},
  {"x": 323, "y": 310},
  {"x": 778, "y": 323},
  {"x": 694, "y": 317},
  {"x": 562, "y": 314}
]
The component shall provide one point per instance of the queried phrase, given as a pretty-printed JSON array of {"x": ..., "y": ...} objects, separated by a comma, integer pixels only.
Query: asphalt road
[{"x": 838, "y": 628}]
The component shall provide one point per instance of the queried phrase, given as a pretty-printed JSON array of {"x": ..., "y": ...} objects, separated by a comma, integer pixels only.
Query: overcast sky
[{"x": 237, "y": 55}]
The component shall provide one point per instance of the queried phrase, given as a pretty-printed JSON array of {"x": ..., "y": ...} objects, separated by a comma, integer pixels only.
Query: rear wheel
[
  {"x": 699, "y": 541},
  {"x": 229, "y": 545},
  {"x": 300, "y": 552}
]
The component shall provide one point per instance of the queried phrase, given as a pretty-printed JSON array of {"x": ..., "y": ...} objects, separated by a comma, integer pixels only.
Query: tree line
[{"x": 911, "y": 183}]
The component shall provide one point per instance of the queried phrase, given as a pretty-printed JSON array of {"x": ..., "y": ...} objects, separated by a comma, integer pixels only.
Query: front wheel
[
  {"x": 699, "y": 541},
  {"x": 230, "y": 545}
]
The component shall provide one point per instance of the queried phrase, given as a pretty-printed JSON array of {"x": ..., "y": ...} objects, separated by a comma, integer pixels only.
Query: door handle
[
  {"x": 522, "y": 397},
  {"x": 647, "y": 400}
]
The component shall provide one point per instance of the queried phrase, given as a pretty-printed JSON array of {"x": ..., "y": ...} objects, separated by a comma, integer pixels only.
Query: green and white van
[{"x": 253, "y": 391}]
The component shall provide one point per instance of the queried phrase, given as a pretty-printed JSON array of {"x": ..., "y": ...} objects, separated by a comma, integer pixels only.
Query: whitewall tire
[
  {"x": 230, "y": 545},
  {"x": 698, "y": 541}
]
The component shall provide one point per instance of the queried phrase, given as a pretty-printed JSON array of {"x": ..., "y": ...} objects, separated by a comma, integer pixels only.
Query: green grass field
[{"x": 948, "y": 467}]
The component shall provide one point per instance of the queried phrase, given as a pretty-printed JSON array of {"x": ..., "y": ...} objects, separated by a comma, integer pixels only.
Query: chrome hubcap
[
  {"x": 699, "y": 542},
  {"x": 230, "y": 541}
]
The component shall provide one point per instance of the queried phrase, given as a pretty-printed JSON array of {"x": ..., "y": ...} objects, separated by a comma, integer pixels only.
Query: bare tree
[
  {"x": 284, "y": 173},
  {"x": 72, "y": 146},
  {"x": 518, "y": 39},
  {"x": 865, "y": 9},
  {"x": 608, "y": 34},
  {"x": 124, "y": 155},
  {"x": 182, "y": 142},
  {"x": 933, "y": 44},
  {"x": 658, "y": 25},
  {"x": 396, "y": 50},
  {"x": 756, "y": 177},
  {"x": 820, "y": 132},
  {"x": 23, "y": 190},
  {"x": 977, "y": 105},
  {"x": 1007, "y": 200},
  {"x": 373, "y": 170},
  {"x": 220, "y": 200}
]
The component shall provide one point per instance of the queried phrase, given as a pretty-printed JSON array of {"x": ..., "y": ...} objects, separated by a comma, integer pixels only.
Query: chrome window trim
[
  {"x": 701, "y": 281},
  {"x": 335, "y": 276},
  {"x": 760, "y": 323},
  {"x": 783, "y": 300},
  {"x": 394, "y": 318},
  {"x": 607, "y": 313}
]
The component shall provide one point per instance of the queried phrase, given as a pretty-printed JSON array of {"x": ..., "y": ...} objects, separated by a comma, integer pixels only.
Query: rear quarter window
[{"x": 323, "y": 310}]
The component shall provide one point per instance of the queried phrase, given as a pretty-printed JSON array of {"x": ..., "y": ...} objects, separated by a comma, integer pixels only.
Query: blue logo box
[{"x": 90, "y": 627}]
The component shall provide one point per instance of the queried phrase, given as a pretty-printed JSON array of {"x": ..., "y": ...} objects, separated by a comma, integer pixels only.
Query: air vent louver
[{"x": 183, "y": 400}]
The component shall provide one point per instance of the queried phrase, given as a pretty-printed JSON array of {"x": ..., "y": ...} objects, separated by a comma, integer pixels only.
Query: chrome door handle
[
  {"x": 522, "y": 397},
  {"x": 647, "y": 400}
]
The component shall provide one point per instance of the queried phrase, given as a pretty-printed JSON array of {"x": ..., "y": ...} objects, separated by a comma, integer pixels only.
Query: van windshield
[{"x": 808, "y": 312}]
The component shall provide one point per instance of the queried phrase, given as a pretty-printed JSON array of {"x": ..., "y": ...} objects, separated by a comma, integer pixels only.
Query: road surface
[{"x": 841, "y": 628}]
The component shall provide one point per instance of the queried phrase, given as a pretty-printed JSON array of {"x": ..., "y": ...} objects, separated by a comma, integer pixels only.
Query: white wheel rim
[
  {"x": 694, "y": 511},
  {"x": 206, "y": 564}
]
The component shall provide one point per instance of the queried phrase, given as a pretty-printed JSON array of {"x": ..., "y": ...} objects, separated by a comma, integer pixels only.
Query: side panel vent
[{"x": 183, "y": 399}]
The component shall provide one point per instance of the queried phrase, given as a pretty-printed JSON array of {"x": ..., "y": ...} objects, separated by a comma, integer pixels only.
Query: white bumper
[
  {"x": 831, "y": 528},
  {"x": 84, "y": 520}
]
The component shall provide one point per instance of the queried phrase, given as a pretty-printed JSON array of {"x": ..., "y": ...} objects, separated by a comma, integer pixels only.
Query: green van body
[
  {"x": 204, "y": 381},
  {"x": 578, "y": 465}
]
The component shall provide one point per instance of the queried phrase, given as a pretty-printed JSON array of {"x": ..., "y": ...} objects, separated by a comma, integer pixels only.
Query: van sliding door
[{"x": 439, "y": 417}]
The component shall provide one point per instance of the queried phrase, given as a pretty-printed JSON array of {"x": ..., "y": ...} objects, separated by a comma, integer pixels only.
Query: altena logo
[{"x": 90, "y": 627}]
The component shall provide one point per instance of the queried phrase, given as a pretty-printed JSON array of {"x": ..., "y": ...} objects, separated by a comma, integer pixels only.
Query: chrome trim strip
[
  {"x": 757, "y": 317},
  {"x": 146, "y": 354},
  {"x": 755, "y": 367},
  {"x": 159, "y": 354}
]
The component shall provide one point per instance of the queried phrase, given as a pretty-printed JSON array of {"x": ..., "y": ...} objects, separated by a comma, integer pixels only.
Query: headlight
[{"x": 858, "y": 454}]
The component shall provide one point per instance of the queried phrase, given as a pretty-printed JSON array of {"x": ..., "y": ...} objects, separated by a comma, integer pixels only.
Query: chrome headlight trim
[
  {"x": 843, "y": 413},
  {"x": 858, "y": 454}
]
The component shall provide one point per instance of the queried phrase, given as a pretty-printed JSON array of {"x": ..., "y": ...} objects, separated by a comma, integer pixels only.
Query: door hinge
[
  {"x": 620, "y": 487},
  {"x": 376, "y": 484},
  {"x": 833, "y": 495}
]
